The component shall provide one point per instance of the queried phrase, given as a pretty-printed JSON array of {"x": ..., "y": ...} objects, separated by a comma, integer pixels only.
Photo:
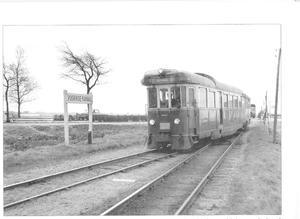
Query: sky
[{"x": 242, "y": 55}]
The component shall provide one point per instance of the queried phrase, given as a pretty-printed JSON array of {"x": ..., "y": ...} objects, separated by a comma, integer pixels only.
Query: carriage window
[
  {"x": 240, "y": 102},
  {"x": 211, "y": 100},
  {"x": 225, "y": 97},
  {"x": 218, "y": 99},
  {"x": 243, "y": 102},
  {"x": 175, "y": 97},
  {"x": 152, "y": 97},
  {"x": 183, "y": 96},
  {"x": 229, "y": 101},
  {"x": 235, "y": 102},
  {"x": 164, "y": 98},
  {"x": 191, "y": 97},
  {"x": 203, "y": 97}
]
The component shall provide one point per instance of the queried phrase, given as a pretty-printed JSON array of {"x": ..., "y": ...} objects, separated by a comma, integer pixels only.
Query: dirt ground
[
  {"x": 249, "y": 181},
  {"x": 254, "y": 188}
]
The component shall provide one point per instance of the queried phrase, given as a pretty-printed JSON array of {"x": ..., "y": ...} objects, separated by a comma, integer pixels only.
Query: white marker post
[{"x": 81, "y": 99}]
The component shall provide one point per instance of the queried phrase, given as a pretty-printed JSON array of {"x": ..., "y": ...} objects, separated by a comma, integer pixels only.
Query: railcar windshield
[
  {"x": 166, "y": 97},
  {"x": 175, "y": 97}
]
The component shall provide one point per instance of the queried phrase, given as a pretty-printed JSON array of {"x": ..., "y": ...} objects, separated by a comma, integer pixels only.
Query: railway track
[
  {"x": 173, "y": 192},
  {"x": 28, "y": 190}
]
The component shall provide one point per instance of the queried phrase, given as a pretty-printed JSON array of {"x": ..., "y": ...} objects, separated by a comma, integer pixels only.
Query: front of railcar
[{"x": 167, "y": 110}]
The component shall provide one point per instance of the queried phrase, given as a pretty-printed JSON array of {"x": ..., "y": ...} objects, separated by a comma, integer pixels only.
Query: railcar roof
[{"x": 172, "y": 76}]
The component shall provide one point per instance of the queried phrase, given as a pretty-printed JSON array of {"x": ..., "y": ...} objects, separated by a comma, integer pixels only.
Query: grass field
[{"x": 32, "y": 145}]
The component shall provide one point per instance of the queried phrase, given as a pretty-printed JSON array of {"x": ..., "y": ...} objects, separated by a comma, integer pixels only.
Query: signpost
[{"x": 79, "y": 99}]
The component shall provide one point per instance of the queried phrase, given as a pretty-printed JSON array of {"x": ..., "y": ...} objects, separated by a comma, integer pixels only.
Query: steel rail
[
  {"x": 88, "y": 180},
  {"x": 72, "y": 170},
  {"x": 192, "y": 197},
  {"x": 128, "y": 199}
]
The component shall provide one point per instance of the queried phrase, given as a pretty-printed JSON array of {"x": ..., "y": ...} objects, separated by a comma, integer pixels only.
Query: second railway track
[{"x": 172, "y": 194}]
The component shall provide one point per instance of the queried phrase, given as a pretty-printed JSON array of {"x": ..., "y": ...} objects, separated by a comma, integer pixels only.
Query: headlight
[
  {"x": 177, "y": 121},
  {"x": 151, "y": 122}
]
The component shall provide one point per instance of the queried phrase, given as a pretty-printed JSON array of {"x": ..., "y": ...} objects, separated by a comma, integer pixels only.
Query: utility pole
[
  {"x": 276, "y": 97},
  {"x": 266, "y": 108}
]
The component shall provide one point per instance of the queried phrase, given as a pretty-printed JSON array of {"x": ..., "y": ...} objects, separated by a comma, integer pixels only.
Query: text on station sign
[{"x": 79, "y": 98}]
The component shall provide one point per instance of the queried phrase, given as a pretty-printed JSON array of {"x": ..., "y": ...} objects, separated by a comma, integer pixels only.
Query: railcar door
[
  {"x": 220, "y": 106},
  {"x": 192, "y": 114}
]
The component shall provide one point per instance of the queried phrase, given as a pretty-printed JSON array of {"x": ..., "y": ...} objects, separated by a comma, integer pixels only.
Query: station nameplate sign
[{"x": 79, "y": 98}]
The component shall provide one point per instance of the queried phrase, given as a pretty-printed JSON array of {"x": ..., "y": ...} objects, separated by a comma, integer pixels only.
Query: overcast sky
[{"x": 242, "y": 55}]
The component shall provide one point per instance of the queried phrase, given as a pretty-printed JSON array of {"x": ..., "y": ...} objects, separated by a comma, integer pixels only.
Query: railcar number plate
[{"x": 164, "y": 126}]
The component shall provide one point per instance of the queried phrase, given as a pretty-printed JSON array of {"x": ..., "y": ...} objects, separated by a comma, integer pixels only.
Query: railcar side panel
[
  {"x": 226, "y": 118},
  {"x": 213, "y": 119}
]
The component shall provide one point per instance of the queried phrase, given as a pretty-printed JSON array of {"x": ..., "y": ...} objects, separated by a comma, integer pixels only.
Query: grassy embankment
[
  {"x": 256, "y": 188},
  {"x": 37, "y": 145}
]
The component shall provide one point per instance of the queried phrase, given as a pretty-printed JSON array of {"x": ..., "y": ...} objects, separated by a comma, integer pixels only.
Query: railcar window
[
  {"x": 211, "y": 100},
  {"x": 191, "y": 97},
  {"x": 164, "y": 98},
  {"x": 240, "y": 102},
  {"x": 229, "y": 101},
  {"x": 183, "y": 96},
  {"x": 243, "y": 102},
  {"x": 235, "y": 101},
  {"x": 203, "y": 97},
  {"x": 225, "y": 97},
  {"x": 218, "y": 99},
  {"x": 175, "y": 95},
  {"x": 152, "y": 97}
]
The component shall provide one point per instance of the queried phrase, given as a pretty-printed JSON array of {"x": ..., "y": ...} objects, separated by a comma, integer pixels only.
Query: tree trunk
[
  {"x": 7, "y": 107},
  {"x": 18, "y": 95},
  {"x": 19, "y": 109}
]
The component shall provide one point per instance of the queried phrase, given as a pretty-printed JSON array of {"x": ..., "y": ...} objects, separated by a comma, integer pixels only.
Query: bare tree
[
  {"x": 24, "y": 85},
  {"x": 8, "y": 82},
  {"x": 85, "y": 68}
]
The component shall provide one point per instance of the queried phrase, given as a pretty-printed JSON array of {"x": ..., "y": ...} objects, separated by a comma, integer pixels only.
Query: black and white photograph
[{"x": 150, "y": 109}]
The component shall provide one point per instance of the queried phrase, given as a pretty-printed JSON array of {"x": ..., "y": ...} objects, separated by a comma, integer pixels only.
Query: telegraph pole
[{"x": 276, "y": 98}]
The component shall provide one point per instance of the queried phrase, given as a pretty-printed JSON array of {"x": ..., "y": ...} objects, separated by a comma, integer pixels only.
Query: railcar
[
  {"x": 185, "y": 108},
  {"x": 253, "y": 110}
]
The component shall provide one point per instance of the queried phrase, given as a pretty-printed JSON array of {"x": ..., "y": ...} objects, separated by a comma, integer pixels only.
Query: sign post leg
[
  {"x": 90, "y": 131},
  {"x": 66, "y": 118}
]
